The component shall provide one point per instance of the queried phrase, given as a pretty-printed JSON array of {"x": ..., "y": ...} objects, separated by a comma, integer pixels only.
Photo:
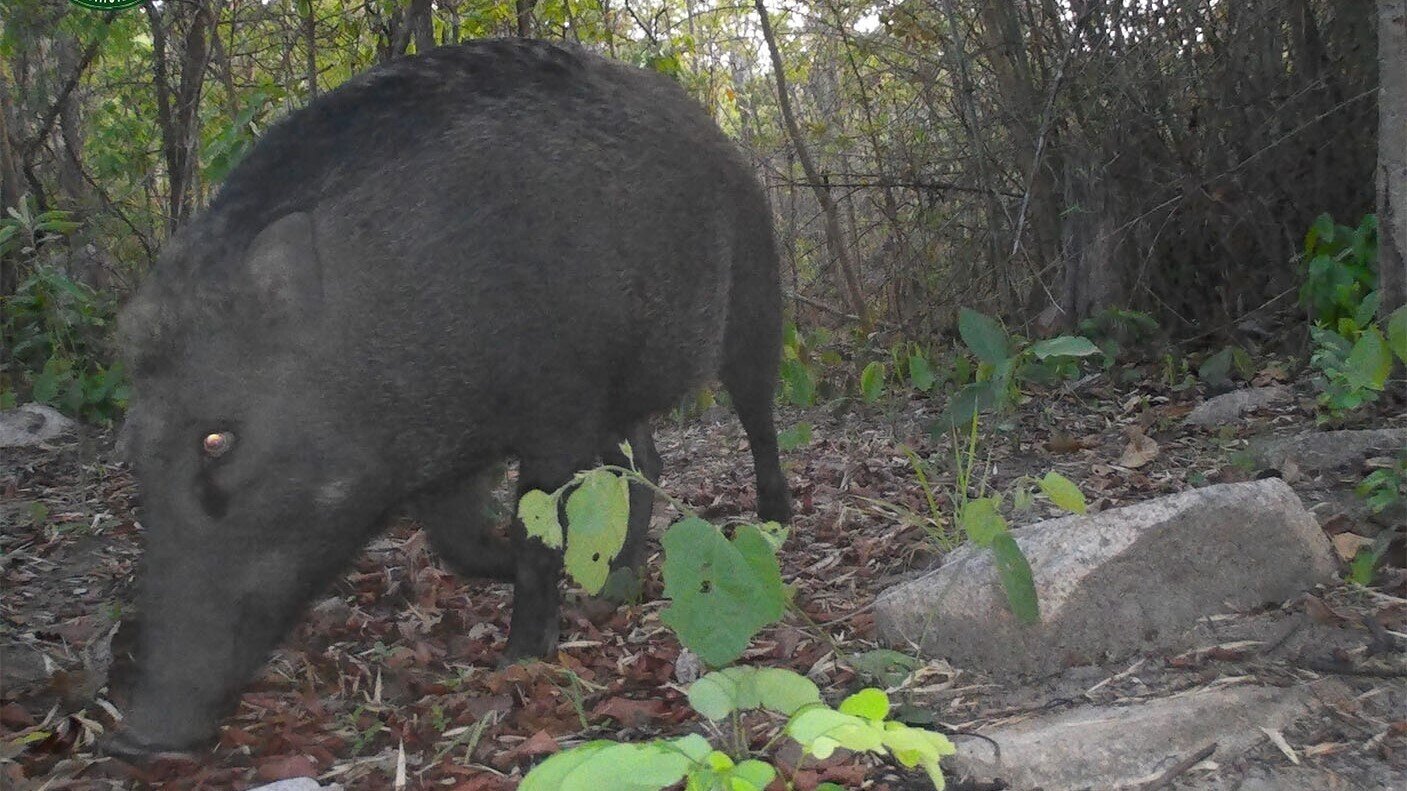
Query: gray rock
[
  {"x": 1123, "y": 746},
  {"x": 1228, "y": 407},
  {"x": 30, "y": 425},
  {"x": 1114, "y": 583},
  {"x": 1321, "y": 451}
]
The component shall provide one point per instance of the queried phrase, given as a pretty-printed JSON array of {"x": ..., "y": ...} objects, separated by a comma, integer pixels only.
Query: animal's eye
[{"x": 217, "y": 444}]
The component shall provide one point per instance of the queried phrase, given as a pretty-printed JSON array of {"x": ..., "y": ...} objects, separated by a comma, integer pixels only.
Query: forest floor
[{"x": 397, "y": 664}]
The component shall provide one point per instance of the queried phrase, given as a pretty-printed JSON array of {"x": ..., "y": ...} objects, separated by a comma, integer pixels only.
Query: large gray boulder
[
  {"x": 1115, "y": 583},
  {"x": 30, "y": 425}
]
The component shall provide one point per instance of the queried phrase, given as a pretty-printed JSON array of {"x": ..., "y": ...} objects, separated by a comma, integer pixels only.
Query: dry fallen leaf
[
  {"x": 1140, "y": 450},
  {"x": 1348, "y": 544}
]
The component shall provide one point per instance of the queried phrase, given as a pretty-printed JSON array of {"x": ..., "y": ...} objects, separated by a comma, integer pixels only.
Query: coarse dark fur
[{"x": 506, "y": 249}]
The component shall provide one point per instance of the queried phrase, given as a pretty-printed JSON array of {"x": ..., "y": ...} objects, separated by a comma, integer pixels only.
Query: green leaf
[
  {"x": 1064, "y": 346},
  {"x": 1063, "y": 492},
  {"x": 984, "y": 336},
  {"x": 1217, "y": 368},
  {"x": 921, "y": 372},
  {"x": 821, "y": 730},
  {"x": 597, "y": 765},
  {"x": 869, "y": 703},
  {"x": 598, "y": 515},
  {"x": 1320, "y": 233},
  {"x": 795, "y": 437},
  {"x": 1370, "y": 362},
  {"x": 1367, "y": 309},
  {"x": 884, "y": 665},
  {"x": 1397, "y": 333},
  {"x": 731, "y": 689},
  {"x": 796, "y": 380},
  {"x": 917, "y": 747},
  {"x": 1361, "y": 568},
  {"x": 971, "y": 400},
  {"x": 722, "y": 592},
  {"x": 872, "y": 381},
  {"x": 981, "y": 520},
  {"x": 537, "y": 510},
  {"x": 756, "y": 774},
  {"x": 1015, "y": 574}
]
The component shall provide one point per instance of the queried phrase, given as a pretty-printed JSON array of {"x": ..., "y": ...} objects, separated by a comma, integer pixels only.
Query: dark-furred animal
[{"x": 505, "y": 249}]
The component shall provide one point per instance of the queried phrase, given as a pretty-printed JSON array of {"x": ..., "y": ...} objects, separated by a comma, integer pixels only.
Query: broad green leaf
[
  {"x": 917, "y": 747},
  {"x": 981, "y": 520},
  {"x": 1397, "y": 333},
  {"x": 821, "y": 729},
  {"x": 756, "y": 774},
  {"x": 1064, "y": 346},
  {"x": 1015, "y": 574},
  {"x": 1063, "y": 492},
  {"x": 731, "y": 689},
  {"x": 722, "y": 592},
  {"x": 969, "y": 401},
  {"x": 872, "y": 381},
  {"x": 921, "y": 373},
  {"x": 1367, "y": 309},
  {"x": 598, "y": 514},
  {"x": 1361, "y": 568},
  {"x": 984, "y": 336},
  {"x": 869, "y": 703},
  {"x": 796, "y": 378},
  {"x": 537, "y": 510},
  {"x": 1217, "y": 368},
  {"x": 1370, "y": 362},
  {"x": 1320, "y": 233},
  {"x": 795, "y": 437},
  {"x": 597, "y": 765}
]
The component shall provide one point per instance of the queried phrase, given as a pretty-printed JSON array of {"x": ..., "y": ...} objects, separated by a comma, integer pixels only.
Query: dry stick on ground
[
  {"x": 1179, "y": 768},
  {"x": 838, "y": 250}
]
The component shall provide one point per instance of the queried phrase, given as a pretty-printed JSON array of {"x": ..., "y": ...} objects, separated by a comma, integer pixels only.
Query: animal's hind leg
[
  {"x": 463, "y": 527},
  {"x": 642, "y": 498},
  {"x": 752, "y": 345}
]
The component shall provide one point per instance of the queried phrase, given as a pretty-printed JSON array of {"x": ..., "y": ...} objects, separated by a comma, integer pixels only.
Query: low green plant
[
  {"x": 1352, "y": 352},
  {"x": 1118, "y": 331},
  {"x": 1003, "y": 361},
  {"x": 56, "y": 330},
  {"x": 1217, "y": 369},
  {"x": 1386, "y": 486},
  {"x": 860, "y": 723},
  {"x": 1341, "y": 266},
  {"x": 1355, "y": 358},
  {"x": 706, "y": 572},
  {"x": 797, "y": 436}
]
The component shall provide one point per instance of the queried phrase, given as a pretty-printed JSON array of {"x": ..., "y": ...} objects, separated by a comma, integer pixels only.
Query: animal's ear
[{"x": 283, "y": 265}]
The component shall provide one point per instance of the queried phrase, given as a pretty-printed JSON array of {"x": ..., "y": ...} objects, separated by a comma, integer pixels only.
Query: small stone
[
  {"x": 31, "y": 425},
  {"x": 1125, "y": 746},
  {"x": 1229, "y": 407},
  {"x": 1321, "y": 451}
]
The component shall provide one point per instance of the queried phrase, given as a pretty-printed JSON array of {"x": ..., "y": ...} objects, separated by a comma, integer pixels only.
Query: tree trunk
[
  {"x": 1392, "y": 154},
  {"x": 310, "y": 40},
  {"x": 840, "y": 253},
  {"x": 525, "y": 17}
]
